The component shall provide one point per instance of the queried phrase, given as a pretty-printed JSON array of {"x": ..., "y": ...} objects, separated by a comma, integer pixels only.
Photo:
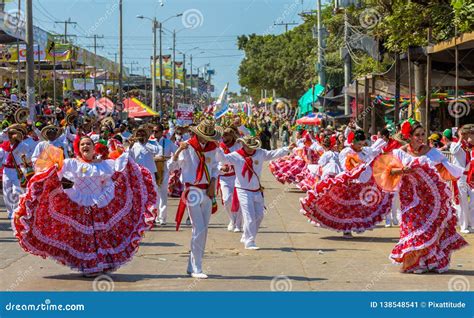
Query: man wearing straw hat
[
  {"x": 227, "y": 179},
  {"x": 463, "y": 154},
  {"x": 166, "y": 149},
  {"x": 197, "y": 160},
  {"x": 143, "y": 151},
  {"x": 51, "y": 135},
  {"x": 11, "y": 161},
  {"x": 248, "y": 164}
]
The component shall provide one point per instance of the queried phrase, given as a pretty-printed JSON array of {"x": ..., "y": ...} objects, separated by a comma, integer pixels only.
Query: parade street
[{"x": 294, "y": 255}]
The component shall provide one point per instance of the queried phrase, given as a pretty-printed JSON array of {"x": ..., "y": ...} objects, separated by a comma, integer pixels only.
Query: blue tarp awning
[{"x": 306, "y": 101}]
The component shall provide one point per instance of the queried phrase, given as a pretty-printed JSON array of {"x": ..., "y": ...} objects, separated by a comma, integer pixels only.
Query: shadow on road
[
  {"x": 139, "y": 277},
  {"x": 164, "y": 244},
  {"x": 362, "y": 239}
]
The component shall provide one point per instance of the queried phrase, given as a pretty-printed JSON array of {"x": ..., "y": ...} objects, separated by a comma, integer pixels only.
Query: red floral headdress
[{"x": 407, "y": 127}]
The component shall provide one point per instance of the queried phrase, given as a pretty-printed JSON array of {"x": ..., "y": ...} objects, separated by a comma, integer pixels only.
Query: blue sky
[{"x": 215, "y": 27}]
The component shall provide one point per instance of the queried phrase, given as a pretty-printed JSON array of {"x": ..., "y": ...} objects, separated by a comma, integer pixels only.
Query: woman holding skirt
[{"x": 95, "y": 222}]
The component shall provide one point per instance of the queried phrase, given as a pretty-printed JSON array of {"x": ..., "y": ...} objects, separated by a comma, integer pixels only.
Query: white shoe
[
  {"x": 388, "y": 225},
  {"x": 237, "y": 230},
  {"x": 466, "y": 231},
  {"x": 199, "y": 275},
  {"x": 242, "y": 239},
  {"x": 252, "y": 246},
  {"x": 348, "y": 235},
  {"x": 230, "y": 227},
  {"x": 160, "y": 222}
]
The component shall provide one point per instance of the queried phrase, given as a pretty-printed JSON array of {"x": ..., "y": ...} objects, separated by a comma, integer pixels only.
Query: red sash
[
  {"x": 10, "y": 162},
  {"x": 248, "y": 167},
  {"x": 201, "y": 171},
  {"x": 202, "y": 168}
]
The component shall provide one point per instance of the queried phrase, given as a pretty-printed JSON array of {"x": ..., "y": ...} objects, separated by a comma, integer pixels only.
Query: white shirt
[
  {"x": 329, "y": 164},
  {"x": 432, "y": 158},
  {"x": 31, "y": 144},
  {"x": 144, "y": 155},
  {"x": 188, "y": 161},
  {"x": 59, "y": 142},
  {"x": 258, "y": 158},
  {"x": 93, "y": 183},
  {"x": 366, "y": 154},
  {"x": 459, "y": 154},
  {"x": 236, "y": 146},
  {"x": 166, "y": 147}
]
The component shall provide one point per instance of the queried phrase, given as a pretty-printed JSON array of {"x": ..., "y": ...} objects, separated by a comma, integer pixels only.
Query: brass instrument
[{"x": 160, "y": 169}]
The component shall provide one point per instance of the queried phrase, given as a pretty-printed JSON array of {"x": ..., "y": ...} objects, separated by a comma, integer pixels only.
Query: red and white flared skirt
[
  {"x": 287, "y": 169},
  {"x": 87, "y": 239},
  {"x": 343, "y": 203},
  {"x": 428, "y": 229}
]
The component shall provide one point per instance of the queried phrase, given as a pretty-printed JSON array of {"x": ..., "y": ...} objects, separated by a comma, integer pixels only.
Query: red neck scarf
[
  {"x": 248, "y": 166},
  {"x": 202, "y": 168},
  {"x": 226, "y": 148},
  {"x": 10, "y": 158}
]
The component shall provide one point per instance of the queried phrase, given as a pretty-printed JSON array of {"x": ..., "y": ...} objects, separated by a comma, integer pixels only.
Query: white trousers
[
  {"x": 227, "y": 188},
  {"x": 465, "y": 209},
  {"x": 11, "y": 190},
  {"x": 199, "y": 207},
  {"x": 394, "y": 215},
  {"x": 252, "y": 206},
  {"x": 162, "y": 201}
]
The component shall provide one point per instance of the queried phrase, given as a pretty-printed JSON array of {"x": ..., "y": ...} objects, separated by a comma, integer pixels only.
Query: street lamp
[{"x": 157, "y": 25}]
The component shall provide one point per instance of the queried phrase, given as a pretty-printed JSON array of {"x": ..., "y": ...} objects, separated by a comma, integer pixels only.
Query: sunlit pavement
[{"x": 294, "y": 255}]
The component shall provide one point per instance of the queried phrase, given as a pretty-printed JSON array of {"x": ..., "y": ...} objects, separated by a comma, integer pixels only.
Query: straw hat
[
  {"x": 251, "y": 142},
  {"x": 144, "y": 128},
  {"x": 207, "y": 130},
  {"x": 231, "y": 130},
  {"x": 19, "y": 127},
  {"x": 45, "y": 130}
]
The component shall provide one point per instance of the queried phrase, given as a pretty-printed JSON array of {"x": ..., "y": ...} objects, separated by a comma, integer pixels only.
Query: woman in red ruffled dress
[
  {"x": 294, "y": 168},
  {"x": 428, "y": 223},
  {"x": 351, "y": 201},
  {"x": 94, "y": 225}
]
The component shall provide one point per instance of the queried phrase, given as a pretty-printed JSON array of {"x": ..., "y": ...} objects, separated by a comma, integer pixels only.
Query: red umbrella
[{"x": 310, "y": 121}]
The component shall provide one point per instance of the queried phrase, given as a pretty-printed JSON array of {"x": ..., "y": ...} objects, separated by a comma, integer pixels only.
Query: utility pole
[
  {"x": 39, "y": 69},
  {"x": 18, "y": 56},
  {"x": 30, "y": 60},
  {"x": 321, "y": 47},
  {"x": 153, "y": 71},
  {"x": 66, "y": 23},
  {"x": 174, "y": 71},
  {"x": 120, "y": 57},
  {"x": 286, "y": 24},
  {"x": 95, "y": 37},
  {"x": 184, "y": 77},
  {"x": 347, "y": 68},
  {"x": 161, "y": 69},
  {"x": 191, "y": 79}
]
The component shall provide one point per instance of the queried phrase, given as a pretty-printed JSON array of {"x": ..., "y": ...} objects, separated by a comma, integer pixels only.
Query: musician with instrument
[
  {"x": 166, "y": 149},
  {"x": 143, "y": 151},
  {"x": 12, "y": 160}
]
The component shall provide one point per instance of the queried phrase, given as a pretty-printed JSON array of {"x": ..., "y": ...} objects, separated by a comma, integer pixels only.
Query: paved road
[{"x": 294, "y": 256}]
